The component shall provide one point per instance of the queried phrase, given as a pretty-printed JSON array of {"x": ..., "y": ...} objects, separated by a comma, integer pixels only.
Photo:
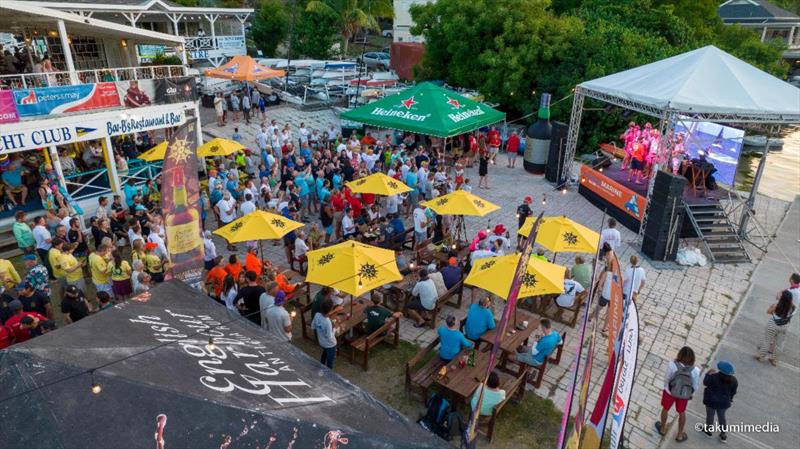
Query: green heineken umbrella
[{"x": 426, "y": 109}]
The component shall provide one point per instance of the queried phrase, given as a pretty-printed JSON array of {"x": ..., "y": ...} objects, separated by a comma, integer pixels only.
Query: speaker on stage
[
  {"x": 664, "y": 217},
  {"x": 555, "y": 159}
]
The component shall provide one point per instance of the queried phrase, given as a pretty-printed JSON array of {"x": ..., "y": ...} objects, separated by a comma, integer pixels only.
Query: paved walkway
[
  {"x": 766, "y": 393},
  {"x": 679, "y": 306}
]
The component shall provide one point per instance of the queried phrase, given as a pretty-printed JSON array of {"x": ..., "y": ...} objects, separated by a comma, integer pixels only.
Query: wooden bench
[
  {"x": 536, "y": 381},
  {"x": 364, "y": 343},
  {"x": 456, "y": 291},
  {"x": 425, "y": 376},
  {"x": 515, "y": 389},
  {"x": 423, "y": 252},
  {"x": 545, "y": 305}
]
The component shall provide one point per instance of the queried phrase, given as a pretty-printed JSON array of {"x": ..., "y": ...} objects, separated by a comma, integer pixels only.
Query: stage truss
[{"x": 749, "y": 228}]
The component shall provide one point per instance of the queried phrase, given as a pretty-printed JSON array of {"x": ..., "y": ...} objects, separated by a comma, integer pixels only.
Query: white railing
[
  {"x": 215, "y": 43},
  {"x": 26, "y": 80}
]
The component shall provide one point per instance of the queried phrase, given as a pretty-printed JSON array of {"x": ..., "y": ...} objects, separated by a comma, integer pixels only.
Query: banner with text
[
  {"x": 62, "y": 99},
  {"x": 625, "y": 375},
  {"x": 180, "y": 200},
  {"x": 615, "y": 193},
  {"x": 8, "y": 109}
]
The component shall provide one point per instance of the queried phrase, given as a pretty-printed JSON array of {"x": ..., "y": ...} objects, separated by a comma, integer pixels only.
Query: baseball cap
[
  {"x": 150, "y": 245},
  {"x": 15, "y": 305},
  {"x": 452, "y": 261},
  {"x": 23, "y": 286},
  {"x": 528, "y": 199},
  {"x": 140, "y": 207},
  {"x": 280, "y": 298},
  {"x": 29, "y": 257},
  {"x": 72, "y": 290}
]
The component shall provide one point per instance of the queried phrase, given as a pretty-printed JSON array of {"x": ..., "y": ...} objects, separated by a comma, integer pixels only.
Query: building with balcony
[
  {"x": 71, "y": 131},
  {"x": 212, "y": 35},
  {"x": 770, "y": 21}
]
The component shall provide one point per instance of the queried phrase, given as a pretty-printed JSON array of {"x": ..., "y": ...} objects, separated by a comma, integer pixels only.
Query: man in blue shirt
[
  {"x": 451, "y": 274},
  {"x": 12, "y": 178},
  {"x": 451, "y": 340},
  {"x": 479, "y": 319},
  {"x": 547, "y": 343}
]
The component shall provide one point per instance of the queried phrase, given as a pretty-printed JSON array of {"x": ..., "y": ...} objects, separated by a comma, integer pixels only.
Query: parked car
[
  {"x": 376, "y": 59},
  {"x": 386, "y": 33}
]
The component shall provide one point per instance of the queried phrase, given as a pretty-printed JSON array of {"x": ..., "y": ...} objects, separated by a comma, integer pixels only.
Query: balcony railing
[
  {"x": 215, "y": 43},
  {"x": 51, "y": 79}
]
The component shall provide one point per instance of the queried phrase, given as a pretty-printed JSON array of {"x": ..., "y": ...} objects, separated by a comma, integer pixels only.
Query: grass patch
[{"x": 533, "y": 423}]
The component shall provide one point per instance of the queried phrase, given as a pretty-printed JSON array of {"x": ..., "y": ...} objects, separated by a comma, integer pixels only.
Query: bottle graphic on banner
[
  {"x": 537, "y": 145},
  {"x": 182, "y": 225}
]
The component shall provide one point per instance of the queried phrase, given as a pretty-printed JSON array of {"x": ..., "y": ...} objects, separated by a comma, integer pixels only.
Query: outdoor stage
[{"x": 608, "y": 188}]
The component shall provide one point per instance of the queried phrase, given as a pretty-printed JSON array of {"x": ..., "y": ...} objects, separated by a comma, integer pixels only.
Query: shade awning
[
  {"x": 427, "y": 109},
  {"x": 704, "y": 81},
  {"x": 243, "y": 68}
]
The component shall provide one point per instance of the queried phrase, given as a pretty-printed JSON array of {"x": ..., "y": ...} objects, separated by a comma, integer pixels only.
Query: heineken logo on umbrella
[
  {"x": 236, "y": 226},
  {"x": 454, "y": 103},
  {"x": 570, "y": 238},
  {"x": 325, "y": 259},
  {"x": 529, "y": 280},
  {"x": 368, "y": 271},
  {"x": 479, "y": 203},
  {"x": 408, "y": 103},
  {"x": 488, "y": 265},
  {"x": 278, "y": 223}
]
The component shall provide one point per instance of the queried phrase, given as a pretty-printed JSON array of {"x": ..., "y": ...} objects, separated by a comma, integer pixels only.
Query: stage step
[{"x": 713, "y": 227}]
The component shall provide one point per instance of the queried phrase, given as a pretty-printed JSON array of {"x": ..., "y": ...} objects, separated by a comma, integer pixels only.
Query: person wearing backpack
[
  {"x": 681, "y": 381},
  {"x": 718, "y": 396}
]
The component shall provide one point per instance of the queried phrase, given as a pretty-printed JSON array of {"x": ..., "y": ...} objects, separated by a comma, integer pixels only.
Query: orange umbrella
[{"x": 243, "y": 68}]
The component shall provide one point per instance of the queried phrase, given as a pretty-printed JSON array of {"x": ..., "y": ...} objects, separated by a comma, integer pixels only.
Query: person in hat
[
  {"x": 451, "y": 274},
  {"x": 33, "y": 301},
  {"x": 278, "y": 320},
  {"x": 74, "y": 306},
  {"x": 721, "y": 386},
  {"x": 499, "y": 233},
  {"x": 523, "y": 212},
  {"x": 36, "y": 326},
  {"x": 152, "y": 263},
  {"x": 37, "y": 274}
]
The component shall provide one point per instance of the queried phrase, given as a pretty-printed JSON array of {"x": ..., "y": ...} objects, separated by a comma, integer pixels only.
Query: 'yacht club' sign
[{"x": 78, "y": 128}]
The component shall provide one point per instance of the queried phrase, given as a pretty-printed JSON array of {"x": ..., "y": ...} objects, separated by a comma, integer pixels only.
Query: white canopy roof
[{"x": 704, "y": 81}]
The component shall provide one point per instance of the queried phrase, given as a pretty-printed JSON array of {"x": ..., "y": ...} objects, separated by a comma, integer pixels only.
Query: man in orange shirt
[
  {"x": 252, "y": 262},
  {"x": 234, "y": 267},
  {"x": 368, "y": 139},
  {"x": 216, "y": 276}
]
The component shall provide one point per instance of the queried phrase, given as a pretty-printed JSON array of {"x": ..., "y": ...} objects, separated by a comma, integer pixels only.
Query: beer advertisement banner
[
  {"x": 180, "y": 199},
  {"x": 8, "y": 109},
  {"x": 63, "y": 99},
  {"x": 625, "y": 375},
  {"x": 175, "y": 90}
]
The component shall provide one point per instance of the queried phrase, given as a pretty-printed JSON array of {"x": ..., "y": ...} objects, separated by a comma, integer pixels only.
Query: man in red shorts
[{"x": 681, "y": 381}]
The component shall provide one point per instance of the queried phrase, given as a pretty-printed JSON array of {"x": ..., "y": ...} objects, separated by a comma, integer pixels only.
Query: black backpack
[{"x": 436, "y": 417}]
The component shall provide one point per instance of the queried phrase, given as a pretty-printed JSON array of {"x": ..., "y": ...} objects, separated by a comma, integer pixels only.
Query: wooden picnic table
[
  {"x": 514, "y": 337},
  {"x": 462, "y": 382},
  {"x": 398, "y": 291},
  {"x": 357, "y": 315},
  {"x": 443, "y": 256}
]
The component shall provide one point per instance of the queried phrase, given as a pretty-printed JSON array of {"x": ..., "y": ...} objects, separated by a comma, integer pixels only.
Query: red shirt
[
  {"x": 513, "y": 143},
  {"x": 253, "y": 263},
  {"x": 6, "y": 336},
  {"x": 356, "y": 206},
  {"x": 473, "y": 143},
  {"x": 338, "y": 202},
  {"x": 368, "y": 198},
  {"x": 368, "y": 140},
  {"x": 494, "y": 138},
  {"x": 22, "y": 333},
  {"x": 216, "y": 276}
]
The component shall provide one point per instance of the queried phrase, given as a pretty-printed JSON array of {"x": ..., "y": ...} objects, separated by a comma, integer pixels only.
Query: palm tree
[{"x": 354, "y": 14}]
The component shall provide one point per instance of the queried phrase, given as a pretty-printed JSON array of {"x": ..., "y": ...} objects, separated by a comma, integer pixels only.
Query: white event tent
[{"x": 706, "y": 84}]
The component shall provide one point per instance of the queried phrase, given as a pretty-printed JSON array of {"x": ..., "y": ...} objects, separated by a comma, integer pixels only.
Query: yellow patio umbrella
[
  {"x": 561, "y": 234},
  {"x": 156, "y": 153},
  {"x": 462, "y": 203},
  {"x": 219, "y": 147},
  {"x": 257, "y": 225},
  {"x": 378, "y": 184},
  {"x": 352, "y": 267},
  {"x": 494, "y": 274}
]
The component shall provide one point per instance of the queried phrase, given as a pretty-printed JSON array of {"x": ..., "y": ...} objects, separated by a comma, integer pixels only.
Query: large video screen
[{"x": 721, "y": 144}]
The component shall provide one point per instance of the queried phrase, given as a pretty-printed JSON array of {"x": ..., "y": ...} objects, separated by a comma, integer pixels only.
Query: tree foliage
[
  {"x": 353, "y": 15},
  {"x": 314, "y": 34},
  {"x": 270, "y": 26},
  {"x": 526, "y": 46}
]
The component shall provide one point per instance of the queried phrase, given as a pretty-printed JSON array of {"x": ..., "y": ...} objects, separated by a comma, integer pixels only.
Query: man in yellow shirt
[
  {"x": 100, "y": 265},
  {"x": 54, "y": 258},
  {"x": 8, "y": 274},
  {"x": 73, "y": 269}
]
